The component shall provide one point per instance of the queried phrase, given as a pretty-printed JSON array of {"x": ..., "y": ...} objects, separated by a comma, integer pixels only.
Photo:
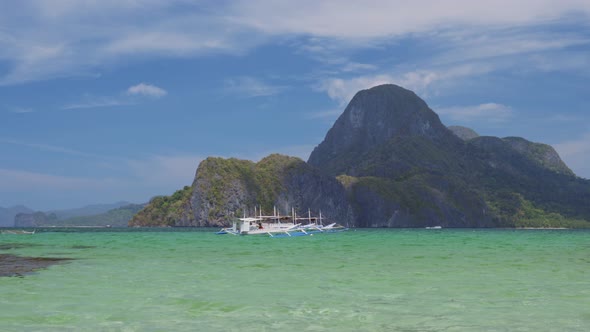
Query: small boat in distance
[
  {"x": 434, "y": 227},
  {"x": 17, "y": 232},
  {"x": 280, "y": 226}
]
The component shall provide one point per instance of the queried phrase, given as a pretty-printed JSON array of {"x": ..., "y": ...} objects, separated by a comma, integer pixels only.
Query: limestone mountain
[
  {"x": 403, "y": 168},
  {"x": 227, "y": 188},
  {"x": 373, "y": 120}
]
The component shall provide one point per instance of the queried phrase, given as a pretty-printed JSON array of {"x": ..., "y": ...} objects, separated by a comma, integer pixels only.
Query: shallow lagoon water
[{"x": 361, "y": 280}]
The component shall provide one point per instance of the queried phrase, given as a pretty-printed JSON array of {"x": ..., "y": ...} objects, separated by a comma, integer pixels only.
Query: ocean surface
[{"x": 361, "y": 280}]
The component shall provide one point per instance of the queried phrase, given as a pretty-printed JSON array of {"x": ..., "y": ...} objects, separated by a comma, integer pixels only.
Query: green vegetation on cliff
[
  {"x": 515, "y": 211},
  {"x": 164, "y": 210},
  {"x": 227, "y": 188},
  {"x": 542, "y": 154},
  {"x": 222, "y": 182}
]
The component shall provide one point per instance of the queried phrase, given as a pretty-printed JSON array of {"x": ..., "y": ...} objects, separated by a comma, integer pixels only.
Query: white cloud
[
  {"x": 356, "y": 67},
  {"x": 251, "y": 87},
  {"x": 97, "y": 102},
  {"x": 21, "y": 110},
  {"x": 161, "y": 43},
  {"x": 58, "y": 9},
  {"x": 42, "y": 40},
  {"x": 420, "y": 81},
  {"x": 483, "y": 112},
  {"x": 148, "y": 90},
  {"x": 386, "y": 18},
  {"x": 32, "y": 60},
  {"x": 126, "y": 98},
  {"x": 561, "y": 61},
  {"x": 342, "y": 90},
  {"x": 49, "y": 39},
  {"x": 465, "y": 45}
]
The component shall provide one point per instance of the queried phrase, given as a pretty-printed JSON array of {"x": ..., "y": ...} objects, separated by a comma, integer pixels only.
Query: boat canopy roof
[
  {"x": 265, "y": 218},
  {"x": 249, "y": 219}
]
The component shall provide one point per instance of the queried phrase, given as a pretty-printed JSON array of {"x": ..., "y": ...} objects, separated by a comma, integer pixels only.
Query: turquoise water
[{"x": 363, "y": 280}]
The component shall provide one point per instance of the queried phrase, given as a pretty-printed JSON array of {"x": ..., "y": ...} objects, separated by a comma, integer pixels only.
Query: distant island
[
  {"x": 99, "y": 215},
  {"x": 7, "y": 214}
]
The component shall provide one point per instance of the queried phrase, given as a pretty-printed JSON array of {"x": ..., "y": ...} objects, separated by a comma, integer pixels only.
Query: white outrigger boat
[{"x": 280, "y": 226}]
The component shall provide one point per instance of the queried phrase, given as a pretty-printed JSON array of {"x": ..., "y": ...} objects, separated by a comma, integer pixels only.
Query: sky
[{"x": 103, "y": 101}]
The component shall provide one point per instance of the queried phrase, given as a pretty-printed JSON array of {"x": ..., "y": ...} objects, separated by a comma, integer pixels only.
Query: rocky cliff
[{"x": 228, "y": 188}]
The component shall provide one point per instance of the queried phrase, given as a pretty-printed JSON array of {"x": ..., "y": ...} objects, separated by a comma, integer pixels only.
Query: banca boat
[{"x": 281, "y": 226}]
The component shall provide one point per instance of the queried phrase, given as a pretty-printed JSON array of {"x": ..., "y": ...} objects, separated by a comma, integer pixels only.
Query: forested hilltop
[{"x": 388, "y": 161}]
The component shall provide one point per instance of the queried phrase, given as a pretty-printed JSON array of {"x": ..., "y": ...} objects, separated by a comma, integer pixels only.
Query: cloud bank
[
  {"x": 49, "y": 39},
  {"x": 146, "y": 90}
]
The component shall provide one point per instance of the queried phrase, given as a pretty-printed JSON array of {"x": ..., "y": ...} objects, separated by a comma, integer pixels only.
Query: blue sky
[{"x": 102, "y": 101}]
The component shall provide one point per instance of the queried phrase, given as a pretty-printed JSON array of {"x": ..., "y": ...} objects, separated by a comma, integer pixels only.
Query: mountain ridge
[
  {"x": 115, "y": 217},
  {"x": 388, "y": 161},
  {"x": 433, "y": 176}
]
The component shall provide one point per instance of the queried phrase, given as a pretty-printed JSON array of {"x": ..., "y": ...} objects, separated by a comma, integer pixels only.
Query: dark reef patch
[
  {"x": 18, "y": 266},
  {"x": 9, "y": 246},
  {"x": 82, "y": 247}
]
